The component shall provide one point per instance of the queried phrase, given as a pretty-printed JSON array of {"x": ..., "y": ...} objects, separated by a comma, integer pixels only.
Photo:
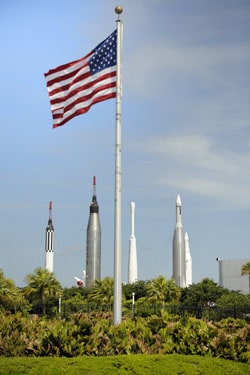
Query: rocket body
[
  {"x": 188, "y": 262},
  {"x": 93, "y": 246},
  {"x": 132, "y": 261},
  {"x": 179, "y": 249},
  {"x": 49, "y": 242}
]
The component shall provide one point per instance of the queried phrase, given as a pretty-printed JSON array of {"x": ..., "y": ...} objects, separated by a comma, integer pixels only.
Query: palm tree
[
  {"x": 163, "y": 290},
  {"x": 42, "y": 285},
  {"x": 102, "y": 291},
  {"x": 8, "y": 291},
  {"x": 11, "y": 297},
  {"x": 245, "y": 270}
]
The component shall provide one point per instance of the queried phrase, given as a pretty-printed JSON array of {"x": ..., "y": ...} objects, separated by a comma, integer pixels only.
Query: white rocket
[
  {"x": 179, "y": 249},
  {"x": 132, "y": 261},
  {"x": 188, "y": 261},
  {"x": 49, "y": 242}
]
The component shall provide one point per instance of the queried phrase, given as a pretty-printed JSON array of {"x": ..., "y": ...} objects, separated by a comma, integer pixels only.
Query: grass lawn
[{"x": 172, "y": 364}]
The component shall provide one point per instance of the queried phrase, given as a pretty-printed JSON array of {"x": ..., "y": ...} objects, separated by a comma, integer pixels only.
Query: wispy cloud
[
  {"x": 198, "y": 165},
  {"x": 154, "y": 65}
]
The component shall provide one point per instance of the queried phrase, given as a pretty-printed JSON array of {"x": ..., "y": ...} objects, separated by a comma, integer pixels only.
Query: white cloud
[
  {"x": 198, "y": 165},
  {"x": 153, "y": 65}
]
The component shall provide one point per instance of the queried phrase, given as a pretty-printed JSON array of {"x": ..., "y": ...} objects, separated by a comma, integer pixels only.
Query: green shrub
[{"x": 95, "y": 334}]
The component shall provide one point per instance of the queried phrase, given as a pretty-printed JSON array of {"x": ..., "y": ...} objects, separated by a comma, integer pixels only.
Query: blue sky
[{"x": 185, "y": 130}]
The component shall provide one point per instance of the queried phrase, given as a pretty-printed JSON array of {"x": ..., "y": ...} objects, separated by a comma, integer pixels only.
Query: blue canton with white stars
[{"x": 105, "y": 54}]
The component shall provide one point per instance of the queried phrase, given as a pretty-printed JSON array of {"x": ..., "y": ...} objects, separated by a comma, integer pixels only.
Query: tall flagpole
[{"x": 117, "y": 309}]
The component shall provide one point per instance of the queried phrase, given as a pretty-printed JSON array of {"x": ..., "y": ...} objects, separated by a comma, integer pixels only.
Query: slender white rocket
[
  {"x": 132, "y": 262},
  {"x": 117, "y": 307},
  {"x": 49, "y": 242}
]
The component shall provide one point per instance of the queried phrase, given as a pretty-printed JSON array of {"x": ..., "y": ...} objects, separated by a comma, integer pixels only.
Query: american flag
[{"x": 74, "y": 87}]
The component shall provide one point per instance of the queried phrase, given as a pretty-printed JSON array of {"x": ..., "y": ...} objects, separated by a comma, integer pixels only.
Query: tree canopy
[
  {"x": 11, "y": 297},
  {"x": 42, "y": 285},
  {"x": 102, "y": 291},
  {"x": 139, "y": 288},
  {"x": 203, "y": 294},
  {"x": 163, "y": 291}
]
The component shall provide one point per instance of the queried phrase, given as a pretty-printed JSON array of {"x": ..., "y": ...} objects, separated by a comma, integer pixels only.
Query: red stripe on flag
[
  {"x": 85, "y": 110},
  {"x": 84, "y": 86}
]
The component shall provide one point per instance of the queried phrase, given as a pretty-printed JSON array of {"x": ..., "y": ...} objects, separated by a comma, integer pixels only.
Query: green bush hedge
[{"x": 95, "y": 334}]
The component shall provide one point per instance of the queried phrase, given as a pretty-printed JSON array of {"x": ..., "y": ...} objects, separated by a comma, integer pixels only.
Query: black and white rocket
[
  {"x": 179, "y": 249},
  {"x": 132, "y": 260},
  {"x": 49, "y": 242},
  {"x": 93, "y": 246}
]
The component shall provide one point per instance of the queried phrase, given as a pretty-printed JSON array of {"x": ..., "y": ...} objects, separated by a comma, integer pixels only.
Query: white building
[{"x": 230, "y": 275}]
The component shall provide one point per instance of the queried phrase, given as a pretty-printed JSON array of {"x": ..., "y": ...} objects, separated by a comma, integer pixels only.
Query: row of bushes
[{"x": 95, "y": 334}]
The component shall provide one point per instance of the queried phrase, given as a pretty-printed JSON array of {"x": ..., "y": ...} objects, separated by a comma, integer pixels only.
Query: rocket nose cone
[{"x": 178, "y": 200}]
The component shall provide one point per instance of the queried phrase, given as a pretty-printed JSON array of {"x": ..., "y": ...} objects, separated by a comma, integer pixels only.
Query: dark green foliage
[
  {"x": 74, "y": 299},
  {"x": 233, "y": 298},
  {"x": 75, "y": 293},
  {"x": 203, "y": 294},
  {"x": 139, "y": 288}
]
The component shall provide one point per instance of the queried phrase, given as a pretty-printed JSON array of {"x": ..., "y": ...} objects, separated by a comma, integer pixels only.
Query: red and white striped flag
[{"x": 74, "y": 87}]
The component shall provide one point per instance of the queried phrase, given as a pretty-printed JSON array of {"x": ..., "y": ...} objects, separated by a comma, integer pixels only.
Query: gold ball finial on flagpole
[{"x": 118, "y": 9}]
